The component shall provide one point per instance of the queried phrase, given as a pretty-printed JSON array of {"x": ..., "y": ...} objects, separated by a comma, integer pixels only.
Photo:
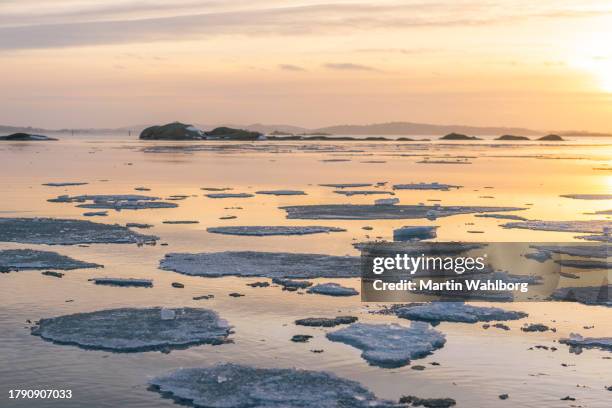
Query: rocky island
[
  {"x": 26, "y": 137},
  {"x": 182, "y": 131},
  {"x": 458, "y": 136}
]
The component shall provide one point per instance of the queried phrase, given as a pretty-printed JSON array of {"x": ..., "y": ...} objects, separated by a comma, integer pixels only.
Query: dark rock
[
  {"x": 568, "y": 398},
  {"x": 427, "y": 402},
  {"x": 235, "y": 294},
  {"x": 552, "y": 138},
  {"x": 259, "y": 284},
  {"x": 418, "y": 367},
  {"x": 52, "y": 273},
  {"x": 301, "y": 338},
  {"x": 535, "y": 327},
  {"x": 26, "y": 137},
  {"x": 227, "y": 133},
  {"x": 172, "y": 131},
  {"x": 504, "y": 396},
  {"x": 512, "y": 137},
  {"x": 177, "y": 285},
  {"x": 458, "y": 136}
]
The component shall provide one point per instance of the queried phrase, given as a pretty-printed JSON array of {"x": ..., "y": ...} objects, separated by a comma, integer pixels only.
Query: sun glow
[{"x": 593, "y": 55}]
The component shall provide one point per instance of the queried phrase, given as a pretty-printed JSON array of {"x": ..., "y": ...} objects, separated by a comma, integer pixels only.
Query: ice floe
[
  {"x": 583, "y": 226},
  {"x": 229, "y": 195},
  {"x": 289, "y": 284},
  {"x": 231, "y": 385},
  {"x": 24, "y": 259},
  {"x": 260, "y": 231},
  {"x": 588, "y": 295},
  {"x": 412, "y": 233},
  {"x": 587, "y": 251},
  {"x": 268, "y": 264},
  {"x": 390, "y": 345},
  {"x": 576, "y": 340},
  {"x": 425, "y": 186},
  {"x": 332, "y": 289},
  {"x": 503, "y": 216},
  {"x": 116, "y": 202},
  {"x": 588, "y": 196},
  {"x": 456, "y": 312},
  {"x": 347, "y": 185},
  {"x": 373, "y": 212},
  {"x": 57, "y": 231},
  {"x": 147, "y": 283},
  {"x": 135, "y": 330},
  {"x": 350, "y": 193},
  {"x": 66, "y": 184},
  {"x": 281, "y": 192},
  {"x": 326, "y": 321}
]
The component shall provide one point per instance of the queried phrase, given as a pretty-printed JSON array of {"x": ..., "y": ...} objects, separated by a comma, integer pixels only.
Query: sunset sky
[{"x": 107, "y": 63}]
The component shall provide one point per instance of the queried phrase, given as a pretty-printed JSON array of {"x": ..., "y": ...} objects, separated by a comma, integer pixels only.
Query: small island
[
  {"x": 181, "y": 131},
  {"x": 512, "y": 137},
  {"x": 552, "y": 138},
  {"x": 459, "y": 136},
  {"x": 26, "y": 137}
]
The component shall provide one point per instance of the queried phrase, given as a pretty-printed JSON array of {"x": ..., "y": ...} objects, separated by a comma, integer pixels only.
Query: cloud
[
  {"x": 290, "y": 67},
  {"x": 347, "y": 66}
]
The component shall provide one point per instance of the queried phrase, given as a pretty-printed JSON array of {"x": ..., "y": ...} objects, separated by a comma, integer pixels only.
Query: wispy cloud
[
  {"x": 348, "y": 66},
  {"x": 291, "y": 67}
]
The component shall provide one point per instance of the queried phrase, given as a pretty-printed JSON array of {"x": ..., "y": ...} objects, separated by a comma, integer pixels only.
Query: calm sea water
[{"x": 476, "y": 365}]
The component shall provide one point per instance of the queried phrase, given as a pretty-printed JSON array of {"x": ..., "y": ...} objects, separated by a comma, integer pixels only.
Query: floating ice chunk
[
  {"x": 268, "y": 264},
  {"x": 588, "y": 295},
  {"x": 503, "y": 217},
  {"x": 229, "y": 195},
  {"x": 232, "y": 385},
  {"x": 456, "y": 312},
  {"x": 584, "y": 264},
  {"x": 23, "y": 259},
  {"x": 576, "y": 340},
  {"x": 273, "y": 230},
  {"x": 390, "y": 345},
  {"x": 290, "y": 283},
  {"x": 135, "y": 330},
  {"x": 114, "y": 201},
  {"x": 147, "y": 283},
  {"x": 332, "y": 289},
  {"x": 281, "y": 192},
  {"x": 325, "y": 321},
  {"x": 585, "y": 250},
  {"x": 350, "y": 193},
  {"x": 56, "y": 231},
  {"x": 425, "y": 186},
  {"x": 586, "y": 226},
  {"x": 96, "y": 214},
  {"x": 375, "y": 212},
  {"x": 167, "y": 314},
  {"x": 588, "y": 196},
  {"x": 347, "y": 185},
  {"x": 387, "y": 201},
  {"x": 412, "y": 233}
]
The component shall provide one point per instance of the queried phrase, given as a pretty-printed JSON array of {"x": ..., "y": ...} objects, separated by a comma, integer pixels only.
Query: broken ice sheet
[
  {"x": 281, "y": 192},
  {"x": 585, "y": 226},
  {"x": 425, "y": 186},
  {"x": 588, "y": 295},
  {"x": 588, "y": 196},
  {"x": 456, "y": 312},
  {"x": 272, "y": 230},
  {"x": 232, "y": 385},
  {"x": 381, "y": 212},
  {"x": 577, "y": 341},
  {"x": 229, "y": 195},
  {"x": 267, "y": 264},
  {"x": 390, "y": 345},
  {"x": 57, "y": 231},
  {"x": 332, "y": 289},
  {"x": 135, "y": 330},
  {"x": 116, "y": 202},
  {"x": 24, "y": 259}
]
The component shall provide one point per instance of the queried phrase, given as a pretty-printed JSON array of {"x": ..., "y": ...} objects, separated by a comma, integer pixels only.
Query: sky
[{"x": 543, "y": 64}]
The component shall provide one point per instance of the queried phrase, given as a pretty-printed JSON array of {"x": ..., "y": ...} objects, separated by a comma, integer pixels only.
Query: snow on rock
[
  {"x": 390, "y": 345},
  {"x": 586, "y": 226},
  {"x": 135, "y": 330},
  {"x": 232, "y": 385},
  {"x": 456, "y": 312},
  {"x": 56, "y": 231},
  {"x": 260, "y": 231},
  {"x": 23, "y": 259},
  {"x": 382, "y": 212},
  {"x": 281, "y": 192},
  {"x": 332, "y": 289},
  {"x": 267, "y": 264}
]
